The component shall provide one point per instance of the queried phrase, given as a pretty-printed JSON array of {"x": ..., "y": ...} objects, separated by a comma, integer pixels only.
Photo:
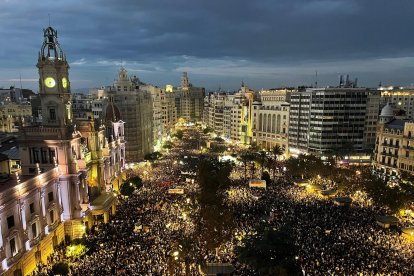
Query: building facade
[
  {"x": 189, "y": 100},
  {"x": 328, "y": 120},
  {"x": 136, "y": 110},
  {"x": 394, "y": 147},
  {"x": 63, "y": 186},
  {"x": 271, "y": 118},
  {"x": 213, "y": 113},
  {"x": 15, "y": 115},
  {"x": 400, "y": 97}
]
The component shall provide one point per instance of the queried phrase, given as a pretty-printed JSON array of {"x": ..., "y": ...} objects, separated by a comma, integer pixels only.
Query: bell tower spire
[{"x": 54, "y": 85}]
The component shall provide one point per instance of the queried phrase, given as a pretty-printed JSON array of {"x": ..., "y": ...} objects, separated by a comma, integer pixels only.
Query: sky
[{"x": 220, "y": 43}]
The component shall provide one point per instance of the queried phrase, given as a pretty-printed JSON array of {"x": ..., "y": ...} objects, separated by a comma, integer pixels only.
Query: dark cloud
[{"x": 220, "y": 42}]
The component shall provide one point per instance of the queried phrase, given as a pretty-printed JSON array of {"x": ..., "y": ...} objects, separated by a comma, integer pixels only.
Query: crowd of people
[{"x": 147, "y": 234}]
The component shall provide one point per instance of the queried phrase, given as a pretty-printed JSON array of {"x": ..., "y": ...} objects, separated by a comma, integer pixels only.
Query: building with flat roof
[
  {"x": 331, "y": 120},
  {"x": 189, "y": 100}
]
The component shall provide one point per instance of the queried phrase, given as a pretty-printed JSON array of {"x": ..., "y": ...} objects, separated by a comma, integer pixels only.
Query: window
[
  {"x": 43, "y": 154},
  {"x": 13, "y": 248},
  {"x": 50, "y": 196},
  {"x": 52, "y": 216},
  {"x": 35, "y": 155},
  {"x": 10, "y": 222},
  {"x": 32, "y": 208},
  {"x": 34, "y": 230},
  {"x": 52, "y": 114},
  {"x": 52, "y": 155}
]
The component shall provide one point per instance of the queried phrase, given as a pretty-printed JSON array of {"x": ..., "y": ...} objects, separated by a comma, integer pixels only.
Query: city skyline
[{"x": 266, "y": 44}]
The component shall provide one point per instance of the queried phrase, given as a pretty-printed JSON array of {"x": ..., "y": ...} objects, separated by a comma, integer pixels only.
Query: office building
[
  {"x": 189, "y": 100},
  {"x": 329, "y": 120}
]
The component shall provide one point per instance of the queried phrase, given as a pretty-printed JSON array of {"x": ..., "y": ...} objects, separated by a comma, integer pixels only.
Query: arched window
[
  {"x": 273, "y": 123},
  {"x": 264, "y": 122},
  {"x": 409, "y": 134}
]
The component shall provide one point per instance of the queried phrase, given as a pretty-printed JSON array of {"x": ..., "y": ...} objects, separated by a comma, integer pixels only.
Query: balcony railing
[
  {"x": 36, "y": 240},
  {"x": 12, "y": 260}
]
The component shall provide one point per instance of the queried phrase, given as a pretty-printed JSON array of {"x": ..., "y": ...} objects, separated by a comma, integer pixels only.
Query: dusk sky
[{"x": 266, "y": 43}]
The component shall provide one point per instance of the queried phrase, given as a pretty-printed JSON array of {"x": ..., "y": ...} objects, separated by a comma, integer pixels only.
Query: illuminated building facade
[
  {"x": 271, "y": 118},
  {"x": 327, "y": 120},
  {"x": 189, "y": 100},
  {"x": 238, "y": 116},
  {"x": 400, "y": 97},
  {"x": 14, "y": 115},
  {"x": 213, "y": 113},
  {"x": 136, "y": 108},
  {"x": 169, "y": 111},
  {"x": 394, "y": 147},
  {"x": 67, "y": 171}
]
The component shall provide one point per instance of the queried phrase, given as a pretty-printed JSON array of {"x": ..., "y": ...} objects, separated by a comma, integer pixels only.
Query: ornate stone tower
[{"x": 54, "y": 85}]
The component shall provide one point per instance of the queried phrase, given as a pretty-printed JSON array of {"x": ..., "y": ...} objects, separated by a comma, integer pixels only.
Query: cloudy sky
[{"x": 266, "y": 43}]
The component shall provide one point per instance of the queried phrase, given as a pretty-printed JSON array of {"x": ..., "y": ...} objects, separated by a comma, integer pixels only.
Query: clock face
[
  {"x": 50, "y": 82},
  {"x": 64, "y": 82}
]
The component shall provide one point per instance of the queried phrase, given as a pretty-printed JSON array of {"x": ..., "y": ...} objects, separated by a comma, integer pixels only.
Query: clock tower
[{"x": 54, "y": 85}]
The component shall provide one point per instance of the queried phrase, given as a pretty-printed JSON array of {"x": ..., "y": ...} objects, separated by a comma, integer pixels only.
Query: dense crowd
[{"x": 145, "y": 236}]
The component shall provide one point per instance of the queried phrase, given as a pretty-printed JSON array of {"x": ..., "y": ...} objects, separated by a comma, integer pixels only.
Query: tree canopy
[{"x": 270, "y": 252}]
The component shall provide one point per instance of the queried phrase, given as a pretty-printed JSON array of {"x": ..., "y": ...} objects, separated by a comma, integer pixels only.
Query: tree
[
  {"x": 179, "y": 134},
  {"x": 60, "y": 268},
  {"x": 188, "y": 251},
  {"x": 270, "y": 252},
  {"x": 75, "y": 251},
  {"x": 261, "y": 158},
  {"x": 136, "y": 181},
  {"x": 207, "y": 130},
  {"x": 127, "y": 189},
  {"x": 152, "y": 157},
  {"x": 277, "y": 151},
  {"x": 244, "y": 158},
  {"x": 213, "y": 179},
  {"x": 266, "y": 177},
  {"x": 168, "y": 145},
  {"x": 218, "y": 139},
  {"x": 218, "y": 148}
]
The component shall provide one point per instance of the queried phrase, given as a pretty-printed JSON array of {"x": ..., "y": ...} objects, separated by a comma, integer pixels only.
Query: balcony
[
  {"x": 53, "y": 226},
  {"x": 36, "y": 240},
  {"x": 390, "y": 146},
  {"x": 15, "y": 258},
  {"x": 390, "y": 154}
]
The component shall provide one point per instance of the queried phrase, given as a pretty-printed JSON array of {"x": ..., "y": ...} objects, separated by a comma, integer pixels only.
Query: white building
[{"x": 271, "y": 118}]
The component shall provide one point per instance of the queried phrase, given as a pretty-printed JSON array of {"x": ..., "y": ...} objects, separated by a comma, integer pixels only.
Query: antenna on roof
[
  {"x": 49, "y": 18},
  {"x": 316, "y": 79}
]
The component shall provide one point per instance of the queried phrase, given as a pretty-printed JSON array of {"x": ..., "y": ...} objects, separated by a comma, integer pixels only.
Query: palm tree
[
  {"x": 244, "y": 158},
  {"x": 262, "y": 159},
  {"x": 277, "y": 151}
]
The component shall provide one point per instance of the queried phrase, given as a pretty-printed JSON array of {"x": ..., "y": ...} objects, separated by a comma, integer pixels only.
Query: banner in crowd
[
  {"x": 179, "y": 191},
  {"x": 256, "y": 183}
]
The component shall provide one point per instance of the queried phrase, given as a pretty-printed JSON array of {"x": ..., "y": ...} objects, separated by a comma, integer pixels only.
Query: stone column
[
  {"x": 113, "y": 208},
  {"x": 43, "y": 220},
  {"x": 106, "y": 216}
]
